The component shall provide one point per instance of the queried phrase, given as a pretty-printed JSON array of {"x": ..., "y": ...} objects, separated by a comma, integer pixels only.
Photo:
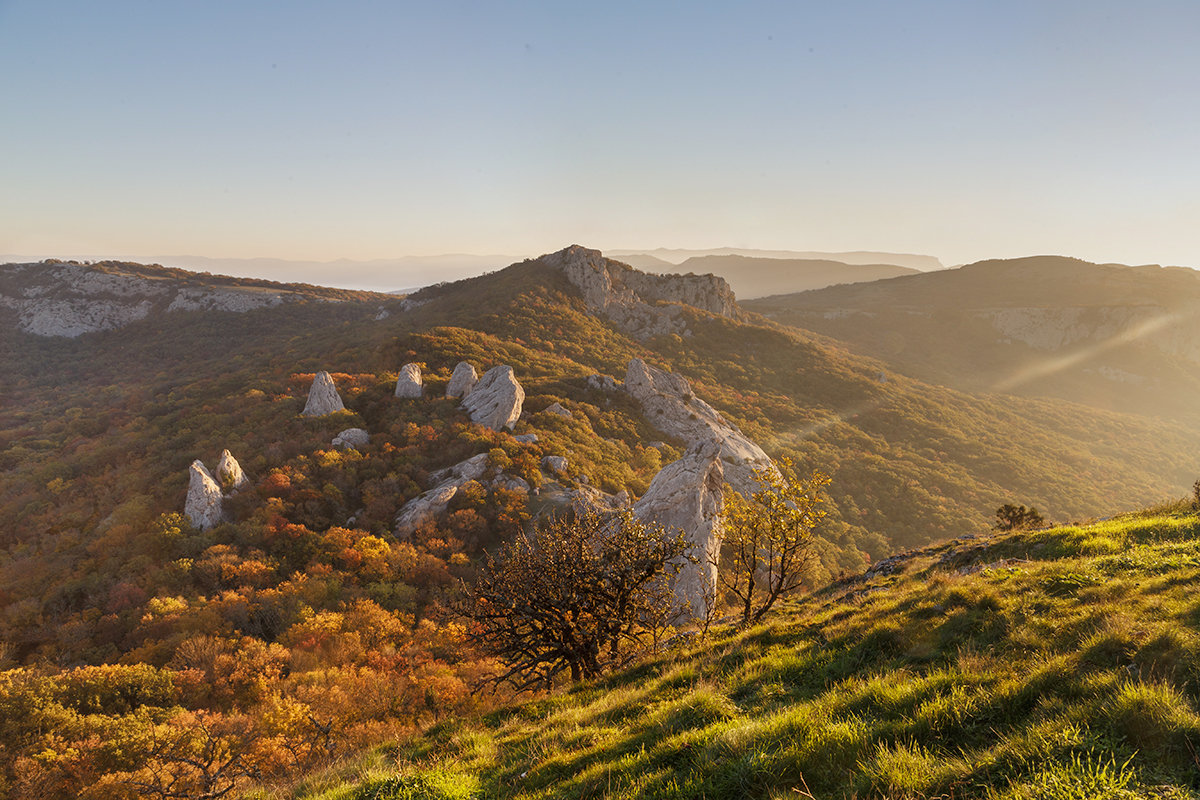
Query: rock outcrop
[
  {"x": 555, "y": 465},
  {"x": 495, "y": 401},
  {"x": 558, "y": 409},
  {"x": 641, "y": 304},
  {"x": 323, "y": 397},
  {"x": 670, "y": 406},
  {"x": 603, "y": 383},
  {"x": 409, "y": 384},
  {"x": 687, "y": 498},
  {"x": 229, "y": 473},
  {"x": 204, "y": 499},
  {"x": 431, "y": 504},
  {"x": 462, "y": 381},
  {"x": 352, "y": 439}
]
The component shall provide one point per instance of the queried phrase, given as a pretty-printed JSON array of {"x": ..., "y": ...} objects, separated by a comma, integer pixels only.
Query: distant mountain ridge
[
  {"x": 760, "y": 277},
  {"x": 1113, "y": 336},
  {"x": 676, "y": 255}
]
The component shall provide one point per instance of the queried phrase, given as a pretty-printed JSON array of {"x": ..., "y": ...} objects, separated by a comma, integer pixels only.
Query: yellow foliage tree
[{"x": 768, "y": 537}]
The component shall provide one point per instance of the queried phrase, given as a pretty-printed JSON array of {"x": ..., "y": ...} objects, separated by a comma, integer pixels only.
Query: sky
[{"x": 962, "y": 129}]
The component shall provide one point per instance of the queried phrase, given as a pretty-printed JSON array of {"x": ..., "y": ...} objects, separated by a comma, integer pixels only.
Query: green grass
[{"x": 1057, "y": 664}]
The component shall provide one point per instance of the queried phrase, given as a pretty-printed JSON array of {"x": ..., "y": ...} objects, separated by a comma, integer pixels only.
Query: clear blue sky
[{"x": 354, "y": 129}]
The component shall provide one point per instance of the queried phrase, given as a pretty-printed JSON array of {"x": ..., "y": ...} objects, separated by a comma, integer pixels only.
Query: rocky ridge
[
  {"x": 68, "y": 299},
  {"x": 641, "y": 304}
]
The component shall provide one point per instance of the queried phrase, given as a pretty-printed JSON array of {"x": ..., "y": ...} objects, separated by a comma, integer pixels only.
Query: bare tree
[
  {"x": 768, "y": 538},
  {"x": 576, "y": 594}
]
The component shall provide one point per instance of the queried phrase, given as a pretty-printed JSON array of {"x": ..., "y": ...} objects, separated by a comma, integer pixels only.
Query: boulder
[
  {"x": 203, "y": 506},
  {"x": 495, "y": 401},
  {"x": 555, "y": 465},
  {"x": 432, "y": 504},
  {"x": 352, "y": 439},
  {"x": 409, "y": 383},
  {"x": 671, "y": 407},
  {"x": 687, "y": 498},
  {"x": 526, "y": 438},
  {"x": 323, "y": 397},
  {"x": 557, "y": 408},
  {"x": 229, "y": 473},
  {"x": 462, "y": 381}
]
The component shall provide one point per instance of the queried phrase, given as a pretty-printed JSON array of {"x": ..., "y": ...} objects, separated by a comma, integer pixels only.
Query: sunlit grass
[{"x": 1062, "y": 663}]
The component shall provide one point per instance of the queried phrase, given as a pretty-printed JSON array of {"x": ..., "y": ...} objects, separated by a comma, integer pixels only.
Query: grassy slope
[{"x": 1062, "y": 663}]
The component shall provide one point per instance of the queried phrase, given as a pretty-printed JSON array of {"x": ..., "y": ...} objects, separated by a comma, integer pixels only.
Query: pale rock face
[
  {"x": 555, "y": 465},
  {"x": 687, "y": 498},
  {"x": 432, "y": 504},
  {"x": 69, "y": 300},
  {"x": 203, "y": 506},
  {"x": 352, "y": 439},
  {"x": 462, "y": 381},
  {"x": 409, "y": 384},
  {"x": 229, "y": 473},
  {"x": 557, "y": 408},
  {"x": 495, "y": 401},
  {"x": 589, "y": 498},
  {"x": 323, "y": 397},
  {"x": 670, "y": 406},
  {"x": 643, "y": 305}
]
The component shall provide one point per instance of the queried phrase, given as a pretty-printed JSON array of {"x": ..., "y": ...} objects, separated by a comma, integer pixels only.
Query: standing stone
[
  {"x": 687, "y": 498},
  {"x": 229, "y": 472},
  {"x": 323, "y": 397},
  {"x": 409, "y": 384},
  {"x": 462, "y": 381},
  {"x": 203, "y": 506},
  {"x": 495, "y": 401}
]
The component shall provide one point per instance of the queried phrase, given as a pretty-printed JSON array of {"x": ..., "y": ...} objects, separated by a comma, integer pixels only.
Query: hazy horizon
[{"x": 370, "y": 131}]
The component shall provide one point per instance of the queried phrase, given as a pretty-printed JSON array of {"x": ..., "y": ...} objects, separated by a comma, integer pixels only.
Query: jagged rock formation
[
  {"x": 687, "y": 498},
  {"x": 409, "y": 384},
  {"x": 431, "y": 504},
  {"x": 66, "y": 299},
  {"x": 643, "y": 305},
  {"x": 462, "y": 381},
  {"x": 229, "y": 473},
  {"x": 557, "y": 408},
  {"x": 669, "y": 405},
  {"x": 495, "y": 401},
  {"x": 352, "y": 439},
  {"x": 323, "y": 397},
  {"x": 204, "y": 498},
  {"x": 555, "y": 465}
]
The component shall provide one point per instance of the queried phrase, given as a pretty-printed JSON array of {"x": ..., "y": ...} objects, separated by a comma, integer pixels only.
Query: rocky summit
[
  {"x": 323, "y": 397},
  {"x": 495, "y": 401},
  {"x": 641, "y": 304}
]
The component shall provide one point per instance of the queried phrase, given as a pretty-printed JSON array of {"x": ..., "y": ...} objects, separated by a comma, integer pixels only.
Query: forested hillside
[{"x": 304, "y": 626}]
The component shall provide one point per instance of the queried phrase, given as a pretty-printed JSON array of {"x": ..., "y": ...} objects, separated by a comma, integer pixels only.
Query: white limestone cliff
[
  {"x": 495, "y": 401},
  {"x": 323, "y": 397}
]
